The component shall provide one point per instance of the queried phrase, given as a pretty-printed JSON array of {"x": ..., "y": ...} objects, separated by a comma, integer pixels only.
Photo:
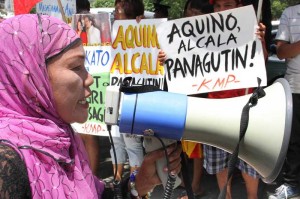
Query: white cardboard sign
[{"x": 212, "y": 52}]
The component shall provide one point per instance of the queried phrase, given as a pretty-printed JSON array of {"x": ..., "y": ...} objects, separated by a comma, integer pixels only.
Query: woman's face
[
  {"x": 70, "y": 83},
  {"x": 79, "y": 26}
]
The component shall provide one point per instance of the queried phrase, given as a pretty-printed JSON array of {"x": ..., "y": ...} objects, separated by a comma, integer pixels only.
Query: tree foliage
[
  {"x": 174, "y": 12},
  {"x": 177, "y": 6},
  {"x": 103, "y": 4},
  {"x": 277, "y": 7}
]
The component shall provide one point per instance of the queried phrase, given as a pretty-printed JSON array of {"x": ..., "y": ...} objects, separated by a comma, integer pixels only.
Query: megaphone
[{"x": 216, "y": 122}]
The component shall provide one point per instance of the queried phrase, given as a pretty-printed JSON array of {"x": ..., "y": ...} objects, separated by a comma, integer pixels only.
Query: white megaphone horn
[{"x": 216, "y": 122}]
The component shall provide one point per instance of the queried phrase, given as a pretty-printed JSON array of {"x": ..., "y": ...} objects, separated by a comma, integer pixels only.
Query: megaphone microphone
[{"x": 216, "y": 122}]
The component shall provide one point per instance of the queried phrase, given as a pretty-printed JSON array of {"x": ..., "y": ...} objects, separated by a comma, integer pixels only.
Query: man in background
[
  {"x": 288, "y": 48},
  {"x": 93, "y": 33}
]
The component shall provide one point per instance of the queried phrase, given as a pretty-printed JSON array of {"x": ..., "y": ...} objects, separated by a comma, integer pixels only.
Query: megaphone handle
[{"x": 151, "y": 144}]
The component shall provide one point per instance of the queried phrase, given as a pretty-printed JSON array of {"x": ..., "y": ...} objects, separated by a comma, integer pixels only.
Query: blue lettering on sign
[
  {"x": 48, "y": 8},
  {"x": 97, "y": 57},
  {"x": 69, "y": 11}
]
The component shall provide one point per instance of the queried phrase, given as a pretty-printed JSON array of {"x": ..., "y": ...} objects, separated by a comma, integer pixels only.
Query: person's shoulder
[
  {"x": 13, "y": 174},
  {"x": 292, "y": 9},
  {"x": 294, "y": 6}
]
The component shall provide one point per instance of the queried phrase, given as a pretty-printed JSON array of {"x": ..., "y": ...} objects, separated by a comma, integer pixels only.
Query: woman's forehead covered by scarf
[{"x": 27, "y": 41}]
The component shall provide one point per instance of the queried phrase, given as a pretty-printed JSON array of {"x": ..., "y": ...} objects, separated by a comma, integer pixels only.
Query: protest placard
[
  {"x": 93, "y": 29},
  {"x": 133, "y": 52},
  {"x": 51, "y": 7},
  {"x": 212, "y": 52},
  {"x": 136, "y": 47}
]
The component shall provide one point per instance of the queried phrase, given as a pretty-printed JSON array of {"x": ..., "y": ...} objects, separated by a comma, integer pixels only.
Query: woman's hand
[
  {"x": 260, "y": 32},
  {"x": 139, "y": 18},
  {"x": 161, "y": 57},
  {"x": 147, "y": 177}
]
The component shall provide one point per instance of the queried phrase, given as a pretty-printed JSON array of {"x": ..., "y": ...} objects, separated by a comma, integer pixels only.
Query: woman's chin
[{"x": 81, "y": 119}]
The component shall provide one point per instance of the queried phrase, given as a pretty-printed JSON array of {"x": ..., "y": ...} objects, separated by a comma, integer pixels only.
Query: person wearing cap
[{"x": 161, "y": 11}]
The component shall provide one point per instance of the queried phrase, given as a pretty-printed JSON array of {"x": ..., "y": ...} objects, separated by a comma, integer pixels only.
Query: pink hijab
[{"x": 56, "y": 160}]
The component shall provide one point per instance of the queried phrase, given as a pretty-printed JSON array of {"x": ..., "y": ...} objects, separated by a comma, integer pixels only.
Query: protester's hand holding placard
[
  {"x": 218, "y": 51},
  {"x": 135, "y": 49}
]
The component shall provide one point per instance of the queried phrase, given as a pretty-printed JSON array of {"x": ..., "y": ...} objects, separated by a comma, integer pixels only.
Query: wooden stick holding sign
[
  {"x": 62, "y": 11},
  {"x": 259, "y": 7},
  {"x": 258, "y": 17}
]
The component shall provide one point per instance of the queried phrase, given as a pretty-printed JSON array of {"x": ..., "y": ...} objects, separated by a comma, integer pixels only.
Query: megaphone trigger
[{"x": 152, "y": 143}]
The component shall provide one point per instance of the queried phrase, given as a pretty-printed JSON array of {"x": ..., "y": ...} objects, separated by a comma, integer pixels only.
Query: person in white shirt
[{"x": 288, "y": 48}]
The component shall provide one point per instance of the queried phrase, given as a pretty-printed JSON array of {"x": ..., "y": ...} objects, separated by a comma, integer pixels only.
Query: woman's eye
[{"x": 77, "y": 68}]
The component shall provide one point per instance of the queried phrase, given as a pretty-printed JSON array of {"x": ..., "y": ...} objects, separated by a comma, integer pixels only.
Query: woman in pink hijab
[{"x": 43, "y": 88}]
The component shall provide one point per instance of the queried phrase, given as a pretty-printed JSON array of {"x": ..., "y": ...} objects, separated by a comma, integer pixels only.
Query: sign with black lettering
[{"x": 212, "y": 52}]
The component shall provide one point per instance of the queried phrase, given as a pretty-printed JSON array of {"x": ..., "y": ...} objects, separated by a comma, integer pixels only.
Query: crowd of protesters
[{"x": 74, "y": 161}]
